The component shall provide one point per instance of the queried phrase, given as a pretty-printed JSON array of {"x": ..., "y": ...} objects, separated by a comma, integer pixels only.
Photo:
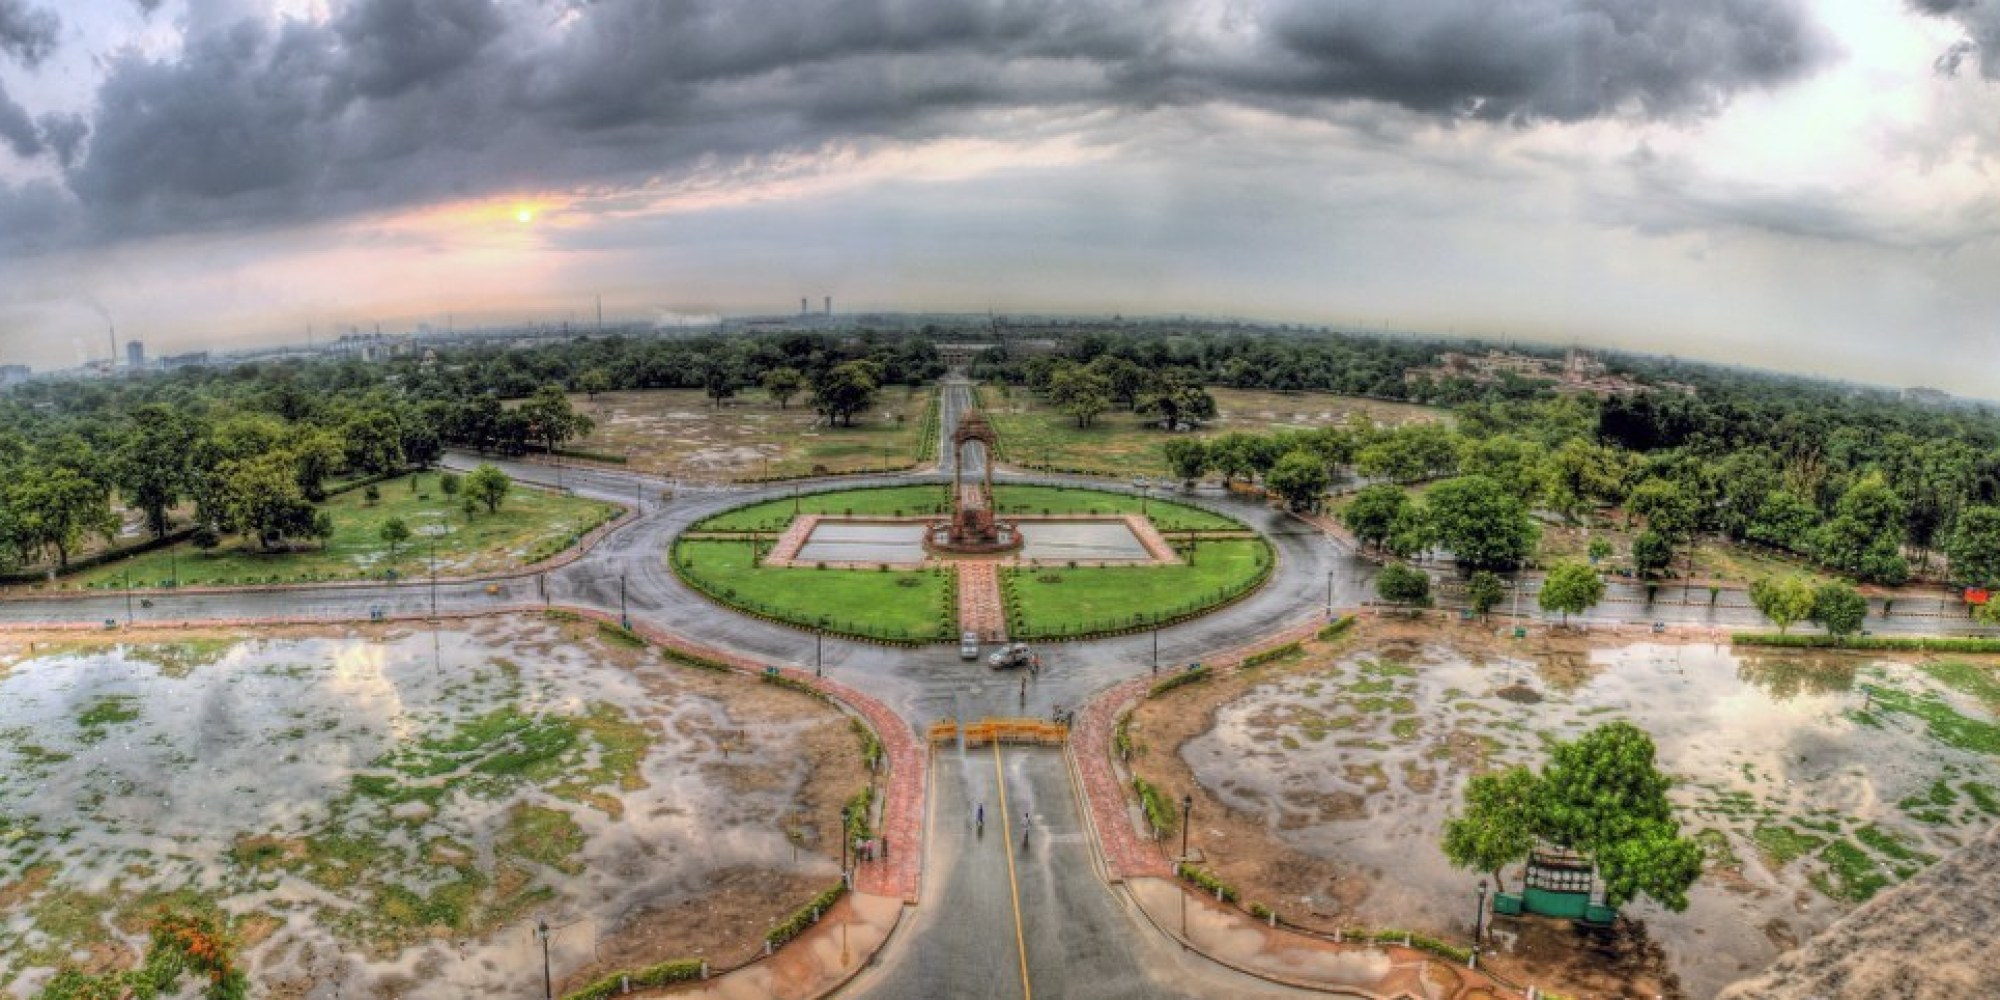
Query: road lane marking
[{"x": 1013, "y": 884}]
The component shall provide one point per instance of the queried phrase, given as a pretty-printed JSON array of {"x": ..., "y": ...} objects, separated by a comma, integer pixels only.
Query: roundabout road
[{"x": 1071, "y": 935}]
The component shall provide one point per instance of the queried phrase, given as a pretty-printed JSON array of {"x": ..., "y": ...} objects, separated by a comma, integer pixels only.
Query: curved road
[{"x": 1071, "y": 934}]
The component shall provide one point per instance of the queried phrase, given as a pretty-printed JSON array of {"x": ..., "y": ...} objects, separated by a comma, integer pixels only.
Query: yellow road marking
[{"x": 1013, "y": 884}]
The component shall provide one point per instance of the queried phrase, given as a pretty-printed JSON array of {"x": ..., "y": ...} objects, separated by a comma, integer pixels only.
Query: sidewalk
[
  {"x": 813, "y": 964},
  {"x": 1233, "y": 938}
]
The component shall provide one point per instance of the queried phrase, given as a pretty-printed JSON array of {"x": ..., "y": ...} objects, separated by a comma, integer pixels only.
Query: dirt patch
[{"x": 725, "y": 924}]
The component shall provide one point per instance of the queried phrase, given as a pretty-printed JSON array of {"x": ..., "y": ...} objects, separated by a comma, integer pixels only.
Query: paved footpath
[{"x": 980, "y": 608}]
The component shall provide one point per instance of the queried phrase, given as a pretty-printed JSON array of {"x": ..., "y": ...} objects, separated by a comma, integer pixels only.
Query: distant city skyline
[{"x": 1800, "y": 187}]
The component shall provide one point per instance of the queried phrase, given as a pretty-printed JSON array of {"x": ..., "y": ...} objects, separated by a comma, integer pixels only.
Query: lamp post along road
[
  {"x": 548, "y": 979},
  {"x": 1479, "y": 917},
  {"x": 845, "y": 813}
]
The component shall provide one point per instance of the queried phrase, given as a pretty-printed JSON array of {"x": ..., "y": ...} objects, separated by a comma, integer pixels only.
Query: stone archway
[{"x": 973, "y": 528}]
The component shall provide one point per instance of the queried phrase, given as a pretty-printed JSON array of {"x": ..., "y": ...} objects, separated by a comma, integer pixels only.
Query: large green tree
[
  {"x": 1400, "y": 584},
  {"x": 1603, "y": 795},
  {"x": 552, "y": 420},
  {"x": 1785, "y": 600},
  {"x": 1299, "y": 479},
  {"x": 1498, "y": 827},
  {"x": 1080, "y": 392},
  {"x": 486, "y": 487},
  {"x": 784, "y": 383},
  {"x": 1373, "y": 512},
  {"x": 846, "y": 389},
  {"x": 1974, "y": 549},
  {"x": 1481, "y": 523},
  {"x": 1865, "y": 536},
  {"x": 152, "y": 465},
  {"x": 265, "y": 500},
  {"x": 1571, "y": 588},
  {"x": 55, "y": 508},
  {"x": 1839, "y": 609}
]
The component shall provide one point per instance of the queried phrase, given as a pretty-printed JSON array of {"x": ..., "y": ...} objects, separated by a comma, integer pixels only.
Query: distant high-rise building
[
  {"x": 135, "y": 354},
  {"x": 829, "y": 305},
  {"x": 804, "y": 309}
]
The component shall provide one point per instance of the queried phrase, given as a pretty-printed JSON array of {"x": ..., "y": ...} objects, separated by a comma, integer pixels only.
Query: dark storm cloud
[
  {"x": 27, "y": 33},
  {"x": 1981, "y": 20},
  {"x": 1564, "y": 60},
  {"x": 17, "y": 130},
  {"x": 393, "y": 102},
  {"x": 63, "y": 133}
]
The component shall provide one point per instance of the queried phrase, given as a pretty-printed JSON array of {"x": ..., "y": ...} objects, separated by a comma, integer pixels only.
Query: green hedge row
[
  {"x": 804, "y": 916},
  {"x": 1274, "y": 653},
  {"x": 1207, "y": 880},
  {"x": 780, "y": 680},
  {"x": 1121, "y": 737},
  {"x": 1939, "y": 643},
  {"x": 1336, "y": 629},
  {"x": 680, "y": 970},
  {"x": 1179, "y": 680},
  {"x": 1159, "y": 809}
]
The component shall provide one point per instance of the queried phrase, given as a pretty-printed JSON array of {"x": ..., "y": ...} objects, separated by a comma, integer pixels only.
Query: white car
[{"x": 968, "y": 645}]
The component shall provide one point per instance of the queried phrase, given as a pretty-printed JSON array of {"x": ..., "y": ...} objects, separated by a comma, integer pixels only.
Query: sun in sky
[{"x": 524, "y": 215}]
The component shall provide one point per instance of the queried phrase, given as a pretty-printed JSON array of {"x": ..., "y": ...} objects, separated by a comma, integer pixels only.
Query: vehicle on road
[
  {"x": 968, "y": 645},
  {"x": 1014, "y": 655}
]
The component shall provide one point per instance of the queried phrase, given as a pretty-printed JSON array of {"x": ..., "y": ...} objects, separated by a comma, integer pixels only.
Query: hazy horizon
[{"x": 1791, "y": 186}]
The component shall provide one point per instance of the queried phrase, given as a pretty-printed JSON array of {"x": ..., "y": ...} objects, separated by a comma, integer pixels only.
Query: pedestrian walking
[{"x": 1024, "y": 690}]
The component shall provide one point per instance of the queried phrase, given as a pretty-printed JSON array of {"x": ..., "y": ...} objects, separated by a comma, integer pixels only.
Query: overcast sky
[{"x": 1806, "y": 186}]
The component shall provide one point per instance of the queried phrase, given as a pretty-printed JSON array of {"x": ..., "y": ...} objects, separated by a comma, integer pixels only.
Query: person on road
[
  {"x": 979, "y": 816},
  {"x": 1024, "y": 828}
]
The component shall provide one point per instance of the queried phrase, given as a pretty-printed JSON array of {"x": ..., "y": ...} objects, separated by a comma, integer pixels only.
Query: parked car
[{"x": 968, "y": 645}]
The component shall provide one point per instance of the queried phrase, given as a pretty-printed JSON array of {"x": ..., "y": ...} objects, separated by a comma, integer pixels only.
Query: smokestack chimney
[
  {"x": 829, "y": 305},
  {"x": 803, "y": 308}
]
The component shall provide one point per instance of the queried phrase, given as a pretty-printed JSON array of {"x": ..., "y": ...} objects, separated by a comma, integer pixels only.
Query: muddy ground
[{"x": 1321, "y": 784}]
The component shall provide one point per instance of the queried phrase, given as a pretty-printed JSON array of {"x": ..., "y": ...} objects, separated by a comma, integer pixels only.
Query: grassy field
[
  {"x": 531, "y": 526},
  {"x": 1122, "y": 444},
  {"x": 915, "y": 605},
  {"x": 773, "y": 515},
  {"x": 1047, "y": 602},
  {"x": 1165, "y": 515},
  {"x": 678, "y": 432}
]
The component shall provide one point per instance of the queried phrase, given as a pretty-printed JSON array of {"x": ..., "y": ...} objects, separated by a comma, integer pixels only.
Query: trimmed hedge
[
  {"x": 1938, "y": 643},
  {"x": 1159, "y": 809},
  {"x": 1207, "y": 880},
  {"x": 1274, "y": 653},
  {"x": 804, "y": 917},
  {"x": 1420, "y": 942},
  {"x": 1121, "y": 737},
  {"x": 1201, "y": 673},
  {"x": 679, "y": 970},
  {"x": 793, "y": 683},
  {"x": 1336, "y": 628}
]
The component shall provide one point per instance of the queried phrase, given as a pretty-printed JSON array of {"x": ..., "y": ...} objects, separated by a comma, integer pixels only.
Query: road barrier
[{"x": 1030, "y": 732}]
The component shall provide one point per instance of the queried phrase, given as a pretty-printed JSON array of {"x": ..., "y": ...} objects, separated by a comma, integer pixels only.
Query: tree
[
  {"x": 1483, "y": 525},
  {"x": 1178, "y": 400},
  {"x": 487, "y": 487},
  {"x": 1188, "y": 457},
  {"x": 1124, "y": 378},
  {"x": 1497, "y": 829},
  {"x": 784, "y": 383},
  {"x": 552, "y": 420},
  {"x": 1784, "y": 600},
  {"x": 1400, "y": 584},
  {"x": 1300, "y": 479},
  {"x": 1484, "y": 591},
  {"x": 1410, "y": 453},
  {"x": 846, "y": 389},
  {"x": 151, "y": 466},
  {"x": 1651, "y": 552},
  {"x": 592, "y": 382},
  {"x": 265, "y": 500},
  {"x": 54, "y": 508},
  {"x": 395, "y": 532},
  {"x": 450, "y": 483},
  {"x": 1603, "y": 795},
  {"x": 373, "y": 441},
  {"x": 1571, "y": 588},
  {"x": 1838, "y": 608},
  {"x": 1599, "y": 550},
  {"x": 1372, "y": 514},
  {"x": 315, "y": 455},
  {"x": 371, "y": 495},
  {"x": 1974, "y": 549},
  {"x": 1865, "y": 536},
  {"x": 1784, "y": 520},
  {"x": 1080, "y": 392}
]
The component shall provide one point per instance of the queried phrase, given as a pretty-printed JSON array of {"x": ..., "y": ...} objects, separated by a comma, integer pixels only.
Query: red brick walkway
[{"x": 980, "y": 608}]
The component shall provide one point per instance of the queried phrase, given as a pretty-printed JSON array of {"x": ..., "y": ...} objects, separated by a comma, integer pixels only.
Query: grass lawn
[
  {"x": 774, "y": 515},
  {"x": 1165, "y": 514},
  {"x": 908, "y": 604},
  {"x": 677, "y": 431},
  {"x": 1049, "y": 602},
  {"x": 1122, "y": 444},
  {"x": 531, "y": 526}
]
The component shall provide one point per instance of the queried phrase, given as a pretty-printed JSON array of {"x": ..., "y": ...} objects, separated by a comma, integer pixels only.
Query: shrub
[
  {"x": 1207, "y": 880},
  {"x": 803, "y": 917},
  {"x": 1159, "y": 809}
]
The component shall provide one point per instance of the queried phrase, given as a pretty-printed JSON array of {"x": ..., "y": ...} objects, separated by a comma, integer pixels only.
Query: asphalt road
[{"x": 1078, "y": 937}]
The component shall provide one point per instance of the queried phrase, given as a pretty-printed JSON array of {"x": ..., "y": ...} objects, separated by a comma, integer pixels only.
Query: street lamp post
[
  {"x": 548, "y": 979},
  {"x": 128, "y": 595},
  {"x": 819, "y": 654},
  {"x": 1156, "y": 647},
  {"x": 1329, "y": 593},
  {"x": 845, "y": 813},
  {"x": 624, "y": 618},
  {"x": 1187, "y": 813},
  {"x": 1479, "y": 917},
  {"x": 434, "y": 575}
]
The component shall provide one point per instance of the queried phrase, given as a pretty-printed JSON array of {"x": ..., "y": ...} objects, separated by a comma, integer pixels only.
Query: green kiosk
[{"x": 1558, "y": 883}]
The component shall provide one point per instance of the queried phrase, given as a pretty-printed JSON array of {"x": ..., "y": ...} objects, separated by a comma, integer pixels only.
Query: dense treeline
[{"x": 250, "y": 450}]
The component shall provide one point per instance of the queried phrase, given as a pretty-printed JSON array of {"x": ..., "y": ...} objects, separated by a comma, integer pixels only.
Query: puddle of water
[
  {"x": 1363, "y": 761},
  {"x": 367, "y": 792}
]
